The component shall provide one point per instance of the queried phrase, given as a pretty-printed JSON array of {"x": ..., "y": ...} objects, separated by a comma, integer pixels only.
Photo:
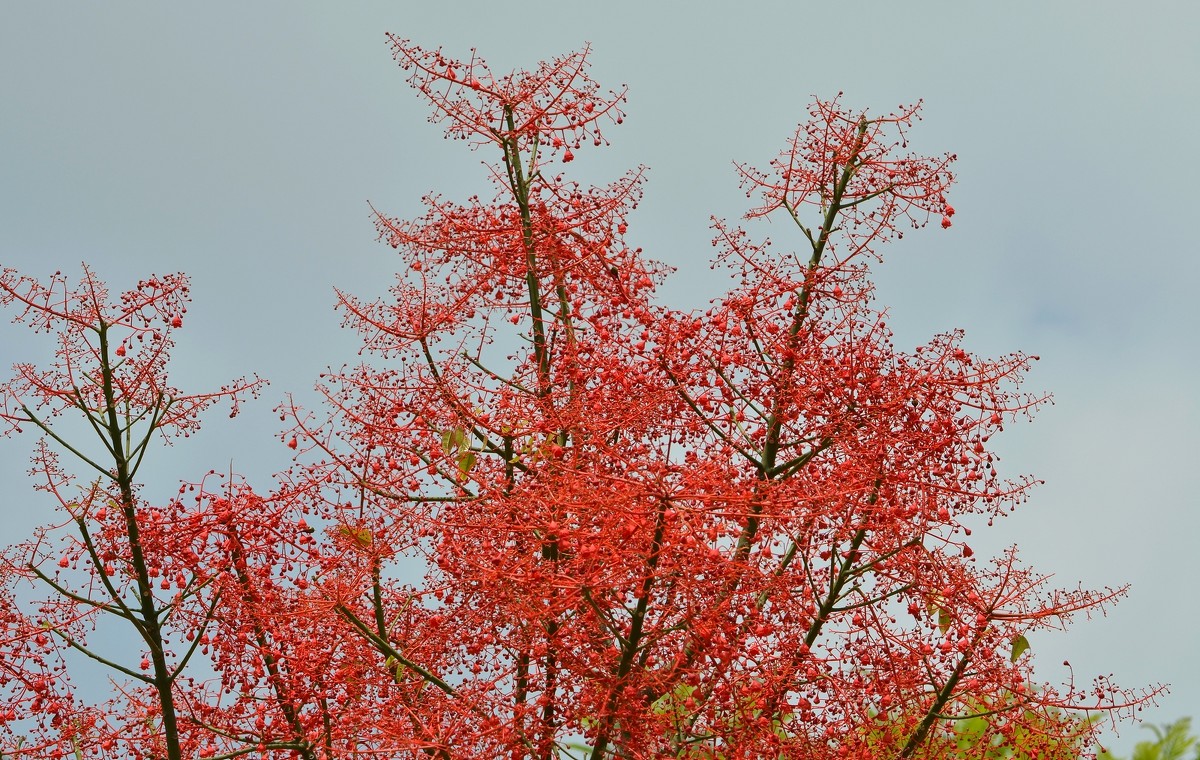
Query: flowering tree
[
  {"x": 142, "y": 566},
  {"x": 646, "y": 532}
]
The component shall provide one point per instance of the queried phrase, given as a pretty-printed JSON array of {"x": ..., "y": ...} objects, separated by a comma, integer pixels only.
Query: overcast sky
[{"x": 240, "y": 143}]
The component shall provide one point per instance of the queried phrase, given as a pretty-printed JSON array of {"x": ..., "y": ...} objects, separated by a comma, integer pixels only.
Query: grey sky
[{"x": 241, "y": 142}]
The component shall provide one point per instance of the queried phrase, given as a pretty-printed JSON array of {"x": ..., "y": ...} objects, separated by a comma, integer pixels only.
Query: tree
[
  {"x": 647, "y": 532},
  {"x": 139, "y": 562}
]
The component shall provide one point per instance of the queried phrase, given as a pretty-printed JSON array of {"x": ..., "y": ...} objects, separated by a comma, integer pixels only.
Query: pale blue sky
[{"x": 241, "y": 142}]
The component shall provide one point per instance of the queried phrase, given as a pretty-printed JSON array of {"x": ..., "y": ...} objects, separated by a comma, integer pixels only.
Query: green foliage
[
  {"x": 1172, "y": 741},
  {"x": 1019, "y": 645},
  {"x": 975, "y": 738},
  {"x": 987, "y": 731}
]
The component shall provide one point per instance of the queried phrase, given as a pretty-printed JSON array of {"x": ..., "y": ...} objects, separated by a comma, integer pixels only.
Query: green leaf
[
  {"x": 671, "y": 703},
  {"x": 454, "y": 441},
  {"x": 943, "y": 614},
  {"x": 466, "y": 462},
  {"x": 360, "y": 536},
  {"x": 1019, "y": 645},
  {"x": 398, "y": 669}
]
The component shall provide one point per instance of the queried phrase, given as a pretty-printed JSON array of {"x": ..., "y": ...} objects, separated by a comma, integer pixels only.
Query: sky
[{"x": 242, "y": 142}]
